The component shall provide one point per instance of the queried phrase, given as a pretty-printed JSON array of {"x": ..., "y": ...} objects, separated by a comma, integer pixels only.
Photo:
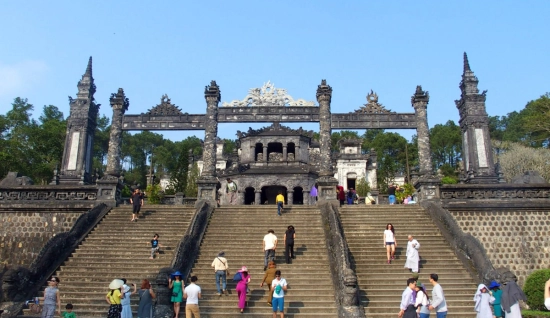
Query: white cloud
[{"x": 20, "y": 77}]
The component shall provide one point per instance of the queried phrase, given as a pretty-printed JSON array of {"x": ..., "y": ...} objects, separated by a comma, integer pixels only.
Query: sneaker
[
  {"x": 393, "y": 257},
  {"x": 389, "y": 262},
  {"x": 225, "y": 292},
  {"x": 219, "y": 294},
  {"x": 270, "y": 304}
]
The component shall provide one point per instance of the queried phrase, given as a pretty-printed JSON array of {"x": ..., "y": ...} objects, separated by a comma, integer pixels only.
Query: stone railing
[
  {"x": 20, "y": 283},
  {"x": 184, "y": 257},
  {"x": 489, "y": 196},
  {"x": 467, "y": 248},
  {"x": 343, "y": 276}
]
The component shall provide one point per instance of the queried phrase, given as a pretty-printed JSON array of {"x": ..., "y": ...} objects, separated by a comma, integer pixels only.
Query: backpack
[
  {"x": 237, "y": 277},
  {"x": 350, "y": 194}
]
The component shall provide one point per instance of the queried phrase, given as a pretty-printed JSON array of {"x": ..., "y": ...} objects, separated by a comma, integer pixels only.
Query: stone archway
[
  {"x": 249, "y": 196},
  {"x": 269, "y": 193},
  {"x": 298, "y": 197}
]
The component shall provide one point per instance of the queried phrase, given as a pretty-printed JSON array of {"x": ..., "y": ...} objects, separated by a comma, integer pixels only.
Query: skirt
[{"x": 114, "y": 311}]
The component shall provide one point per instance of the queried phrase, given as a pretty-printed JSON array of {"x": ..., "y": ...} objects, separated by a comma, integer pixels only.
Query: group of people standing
[
  {"x": 504, "y": 303},
  {"x": 119, "y": 296},
  {"x": 415, "y": 302}
]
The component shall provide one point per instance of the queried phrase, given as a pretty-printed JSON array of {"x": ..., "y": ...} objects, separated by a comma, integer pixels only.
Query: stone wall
[
  {"x": 516, "y": 239},
  {"x": 24, "y": 233}
]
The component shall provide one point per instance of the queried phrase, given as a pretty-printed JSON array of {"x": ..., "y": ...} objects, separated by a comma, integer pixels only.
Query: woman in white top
[{"x": 390, "y": 243}]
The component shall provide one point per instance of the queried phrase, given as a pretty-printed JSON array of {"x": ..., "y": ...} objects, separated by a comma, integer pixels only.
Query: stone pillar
[
  {"x": 257, "y": 197},
  {"x": 419, "y": 102},
  {"x": 477, "y": 152},
  {"x": 326, "y": 181},
  {"x": 265, "y": 153},
  {"x": 285, "y": 153},
  {"x": 76, "y": 164},
  {"x": 307, "y": 198},
  {"x": 207, "y": 181},
  {"x": 289, "y": 197},
  {"x": 240, "y": 197},
  {"x": 120, "y": 104}
]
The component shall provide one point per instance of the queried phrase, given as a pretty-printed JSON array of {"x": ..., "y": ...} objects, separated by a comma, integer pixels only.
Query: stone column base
[
  {"x": 207, "y": 189},
  {"x": 427, "y": 188},
  {"x": 326, "y": 189},
  {"x": 109, "y": 190}
]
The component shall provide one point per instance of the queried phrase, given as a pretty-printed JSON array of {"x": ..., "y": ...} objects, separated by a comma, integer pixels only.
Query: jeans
[
  {"x": 424, "y": 315},
  {"x": 289, "y": 251},
  {"x": 269, "y": 256},
  {"x": 441, "y": 314},
  {"x": 391, "y": 198},
  {"x": 279, "y": 207},
  {"x": 220, "y": 275}
]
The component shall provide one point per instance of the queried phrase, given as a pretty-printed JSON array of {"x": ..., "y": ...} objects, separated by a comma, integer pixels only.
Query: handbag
[
  {"x": 35, "y": 308},
  {"x": 237, "y": 277}
]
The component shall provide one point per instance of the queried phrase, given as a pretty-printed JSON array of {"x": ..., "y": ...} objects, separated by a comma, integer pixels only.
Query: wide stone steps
[
  {"x": 239, "y": 231},
  {"x": 119, "y": 248},
  {"x": 382, "y": 284}
]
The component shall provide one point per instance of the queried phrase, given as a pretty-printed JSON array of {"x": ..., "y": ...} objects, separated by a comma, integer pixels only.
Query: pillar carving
[
  {"x": 307, "y": 198},
  {"x": 419, "y": 102},
  {"x": 207, "y": 182},
  {"x": 326, "y": 181},
  {"x": 119, "y": 103},
  {"x": 76, "y": 165},
  {"x": 289, "y": 197},
  {"x": 257, "y": 197},
  {"x": 477, "y": 152}
]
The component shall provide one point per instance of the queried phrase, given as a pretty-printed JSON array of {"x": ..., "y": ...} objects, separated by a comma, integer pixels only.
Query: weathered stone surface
[
  {"x": 14, "y": 179},
  {"x": 420, "y": 101},
  {"x": 529, "y": 177},
  {"x": 119, "y": 103},
  {"x": 76, "y": 166},
  {"x": 477, "y": 154}
]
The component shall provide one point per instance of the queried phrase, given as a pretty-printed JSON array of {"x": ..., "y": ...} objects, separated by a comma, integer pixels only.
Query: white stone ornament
[{"x": 268, "y": 95}]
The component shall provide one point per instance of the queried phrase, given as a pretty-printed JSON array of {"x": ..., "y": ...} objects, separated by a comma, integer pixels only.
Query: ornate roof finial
[
  {"x": 89, "y": 68},
  {"x": 466, "y": 63}
]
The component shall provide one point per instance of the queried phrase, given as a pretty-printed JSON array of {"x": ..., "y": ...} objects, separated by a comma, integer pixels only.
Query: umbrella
[{"x": 116, "y": 284}]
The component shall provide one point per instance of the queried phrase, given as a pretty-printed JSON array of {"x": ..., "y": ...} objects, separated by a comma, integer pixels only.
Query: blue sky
[{"x": 151, "y": 48}]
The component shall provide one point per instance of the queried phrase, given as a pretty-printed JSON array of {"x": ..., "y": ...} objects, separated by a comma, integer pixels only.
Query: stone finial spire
[
  {"x": 212, "y": 91},
  {"x": 324, "y": 91},
  {"x": 86, "y": 86},
  {"x": 466, "y": 64}
]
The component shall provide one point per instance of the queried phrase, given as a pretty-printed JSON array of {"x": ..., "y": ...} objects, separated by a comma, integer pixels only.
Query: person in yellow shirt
[{"x": 280, "y": 202}]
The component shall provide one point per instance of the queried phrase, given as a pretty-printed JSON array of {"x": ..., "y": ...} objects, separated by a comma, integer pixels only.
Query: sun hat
[
  {"x": 126, "y": 289},
  {"x": 174, "y": 274},
  {"x": 116, "y": 284},
  {"x": 494, "y": 284},
  {"x": 221, "y": 253},
  {"x": 243, "y": 269},
  {"x": 419, "y": 284}
]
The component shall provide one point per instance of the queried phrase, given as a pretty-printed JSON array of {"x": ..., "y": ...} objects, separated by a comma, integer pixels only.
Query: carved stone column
[
  {"x": 419, "y": 102},
  {"x": 289, "y": 197},
  {"x": 285, "y": 153},
  {"x": 307, "y": 198},
  {"x": 120, "y": 104},
  {"x": 76, "y": 164},
  {"x": 326, "y": 181},
  {"x": 265, "y": 153},
  {"x": 207, "y": 182},
  {"x": 257, "y": 197}
]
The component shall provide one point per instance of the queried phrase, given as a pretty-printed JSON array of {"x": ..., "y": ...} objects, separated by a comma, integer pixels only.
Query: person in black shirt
[
  {"x": 155, "y": 246},
  {"x": 137, "y": 201},
  {"x": 391, "y": 193},
  {"x": 290, "y": 235}
]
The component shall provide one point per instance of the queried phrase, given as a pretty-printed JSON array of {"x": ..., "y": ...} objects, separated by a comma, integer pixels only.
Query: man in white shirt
[
  {"x": 438, "y": 298},
  {"x": 278, "y": 286},
  {"x": 412, "y": 255},
  {"x": 231, "y": 191},
  {"x": 406, "y": 307},
  {"x": 269, "y": 245},
  {"x": 221, "y": 267},
  {"x": 192, "y": 293}
]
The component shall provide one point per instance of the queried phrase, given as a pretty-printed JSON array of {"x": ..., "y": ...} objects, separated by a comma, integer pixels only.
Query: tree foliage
[
  {"x": 515, "y": 159},
  {"x": 446, "y": 144}
]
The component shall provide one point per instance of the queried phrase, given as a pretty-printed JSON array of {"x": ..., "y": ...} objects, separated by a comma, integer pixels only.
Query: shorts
[
  {"x": 278, "y": 302},
  {"x": 136, "y": 209},
  {"x": 390, "y": 243}
]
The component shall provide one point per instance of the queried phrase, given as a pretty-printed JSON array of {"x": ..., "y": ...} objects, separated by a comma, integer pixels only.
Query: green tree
[
  {"x": 446, "y": 144},
  {"x": 101, "y": 143},
  {"x": 192, "y": 189},
  {"x": 342, "y": 134},
  {"x": 362, "y": 187},
  {"x": 537, "y": 119}
]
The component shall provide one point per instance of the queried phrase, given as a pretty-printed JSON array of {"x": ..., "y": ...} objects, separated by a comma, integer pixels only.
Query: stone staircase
[
  {"x": 381, "y": 285},
  {"x": 239, "y": 231},
  {"x": 118, "y": 248}
]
